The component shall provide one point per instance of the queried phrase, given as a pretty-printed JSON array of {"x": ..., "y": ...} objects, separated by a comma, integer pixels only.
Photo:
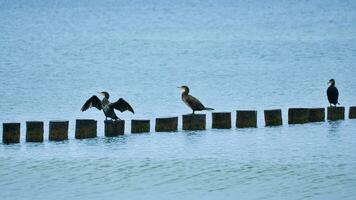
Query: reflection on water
[{"x": 334, "y": 126}]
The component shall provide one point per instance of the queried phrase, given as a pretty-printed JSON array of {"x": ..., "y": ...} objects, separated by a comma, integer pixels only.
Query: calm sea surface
[{"x": 233, "y": 55}]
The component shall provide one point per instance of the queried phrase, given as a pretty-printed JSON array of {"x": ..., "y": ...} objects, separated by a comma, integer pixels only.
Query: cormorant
[
  {"x": 333, "y": 93},
  {"x": 191, "y": 101},
  {"x": 107, "y": 106}
]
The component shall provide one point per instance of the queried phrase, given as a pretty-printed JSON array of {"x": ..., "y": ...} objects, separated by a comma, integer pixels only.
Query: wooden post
[
  {"x": 85, "y": 128},
  {"x": 273, "y": 117},
  {"x": 298, "y": 115},
  {"x": 58, "y": 130},
  {"x": 246, "y": 119},
  {"x": 352, "y": 112},
  {"x": 221, "y": 120},
  {"x": 114, "y": 128},
  {"x": 336, "y": 113},
  {"x": 10, "y": 133},
  {"x": 194, "y": 122},
  {"x": 34, "y": 131},
  {"x": 168, "y": 124},
  {"x": 140, "y": 126},
  {"x": 316, "y": 114}
]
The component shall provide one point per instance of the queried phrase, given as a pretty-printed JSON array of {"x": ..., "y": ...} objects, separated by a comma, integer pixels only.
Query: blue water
[{"x": 232, "y": 54}]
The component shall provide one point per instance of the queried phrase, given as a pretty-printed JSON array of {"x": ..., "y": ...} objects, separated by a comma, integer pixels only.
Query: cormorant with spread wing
[
  {"x": 191, "y": 101},
  {"x": 333, "y": 93},
  {"x": 107, "y": 106}
]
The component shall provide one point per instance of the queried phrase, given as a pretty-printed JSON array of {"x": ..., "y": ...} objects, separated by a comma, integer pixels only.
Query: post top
[
  {"x": 58, "y": 121},
  {"x": 271, "y": 110},
  {"x": 88, "y": 120},
  {"x": 221, "y": 113},
  {"x": 11, "y": 123},
  {"x": 34, "y": 122},
  {"x": 140, "y": 120},
  {"x": 176, "y": 117}
]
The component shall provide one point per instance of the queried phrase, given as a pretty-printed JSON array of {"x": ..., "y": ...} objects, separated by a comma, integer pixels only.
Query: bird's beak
[
  {"x": 180, "y": 87},
  {"x": 329, "y": 82},
  {"x": 100, "y": 93}
]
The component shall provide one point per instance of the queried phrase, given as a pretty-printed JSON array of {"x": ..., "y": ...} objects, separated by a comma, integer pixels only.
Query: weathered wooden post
[
  {"x": 316, "y": 114},
  {"x": 58, "y": 130},
  {"x": 114, "y": 128},
  {"x": 85, "y": 128},
  {"x": 352, "y": 112},
  {"x": 221, "y": 120},
  {"x": 194, "y": 122},
  {"x": 273, "y": 117},
  {"x": 336, "y": 113},
  {"x": 246, "y": 119},
  {"x": 298, "y": 115},
  {"x": 168, "y": 124},
  {"x": 140, "y": 126},
  {"x": 10, "y": 133},
  {"x": 34, "y": 131}
]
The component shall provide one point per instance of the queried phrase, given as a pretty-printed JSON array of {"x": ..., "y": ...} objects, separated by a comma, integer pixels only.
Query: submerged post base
[
  {"x": 10, "y": 133},
  {"x": 352, "y": 112},
  {"x": 194, "y": 122},
  {"x": 316, "y": 114},
  {"x": 246, "y": 119},
  {"x": 336, "y": 113},
  {"x": 85, "y": 128},
  {"x": 273, "y": 117},
  {"x": 58, "y": 130},
  {"x": 114, "y": 128},
  {"x": 168, "y": 124},
  {"x": 34, "y": 131},
  {"x": 298, "y": 115},
  {"x": 221, "y": 120},
  {"x": 140, "y": 126}
]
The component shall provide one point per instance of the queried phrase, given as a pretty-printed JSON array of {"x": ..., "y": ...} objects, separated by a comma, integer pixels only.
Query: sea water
[{"x": 233, "y": 55}]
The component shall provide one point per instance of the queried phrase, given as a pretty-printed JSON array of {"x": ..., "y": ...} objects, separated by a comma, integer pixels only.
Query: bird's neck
[
  {"x": 105, "y": 101},
  {"x": 185, "y": 93}
]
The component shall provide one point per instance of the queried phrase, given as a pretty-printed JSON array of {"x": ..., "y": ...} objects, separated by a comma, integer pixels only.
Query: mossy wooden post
[
  {"x": 221, "y": 120},
  {"x": 194, "y": 122},
  {"x": 140, "y": 126},
  {"x": 114, "y": 128},
  {"x": 58, "y": 130},
  {"x": 298, "y": 115},
  {"x": 85, "y": 128},
  {"x": 316, "y": 114},
  {"x": 10, "y": 133},
  {"x": 352, "y": 112},
  {"x": 168, "y": 124},
  {"x": 273, "y": 117},
  {"x": 246, "y": 119},
  {"x": 34, "y": 131},
  {"x": 336, "y": 113}
]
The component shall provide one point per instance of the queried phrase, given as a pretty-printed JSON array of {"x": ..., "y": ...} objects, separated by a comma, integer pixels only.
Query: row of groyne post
[{"x": 87, "y": 128}]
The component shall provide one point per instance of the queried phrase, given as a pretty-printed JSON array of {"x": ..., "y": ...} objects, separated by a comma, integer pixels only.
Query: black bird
[
  {"x": 107, "y": 106},
  {"x": 333, "y": 93},
  {"x": 191, "y": 101}
]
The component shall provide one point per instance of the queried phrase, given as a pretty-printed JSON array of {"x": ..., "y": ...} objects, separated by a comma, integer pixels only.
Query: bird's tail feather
[{"x": 208, "y": 108}]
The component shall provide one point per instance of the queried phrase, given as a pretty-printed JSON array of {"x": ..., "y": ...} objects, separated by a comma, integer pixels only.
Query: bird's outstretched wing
[
  {"x": 122, "y": 106},
  {"x": 93, "y": 101}
]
